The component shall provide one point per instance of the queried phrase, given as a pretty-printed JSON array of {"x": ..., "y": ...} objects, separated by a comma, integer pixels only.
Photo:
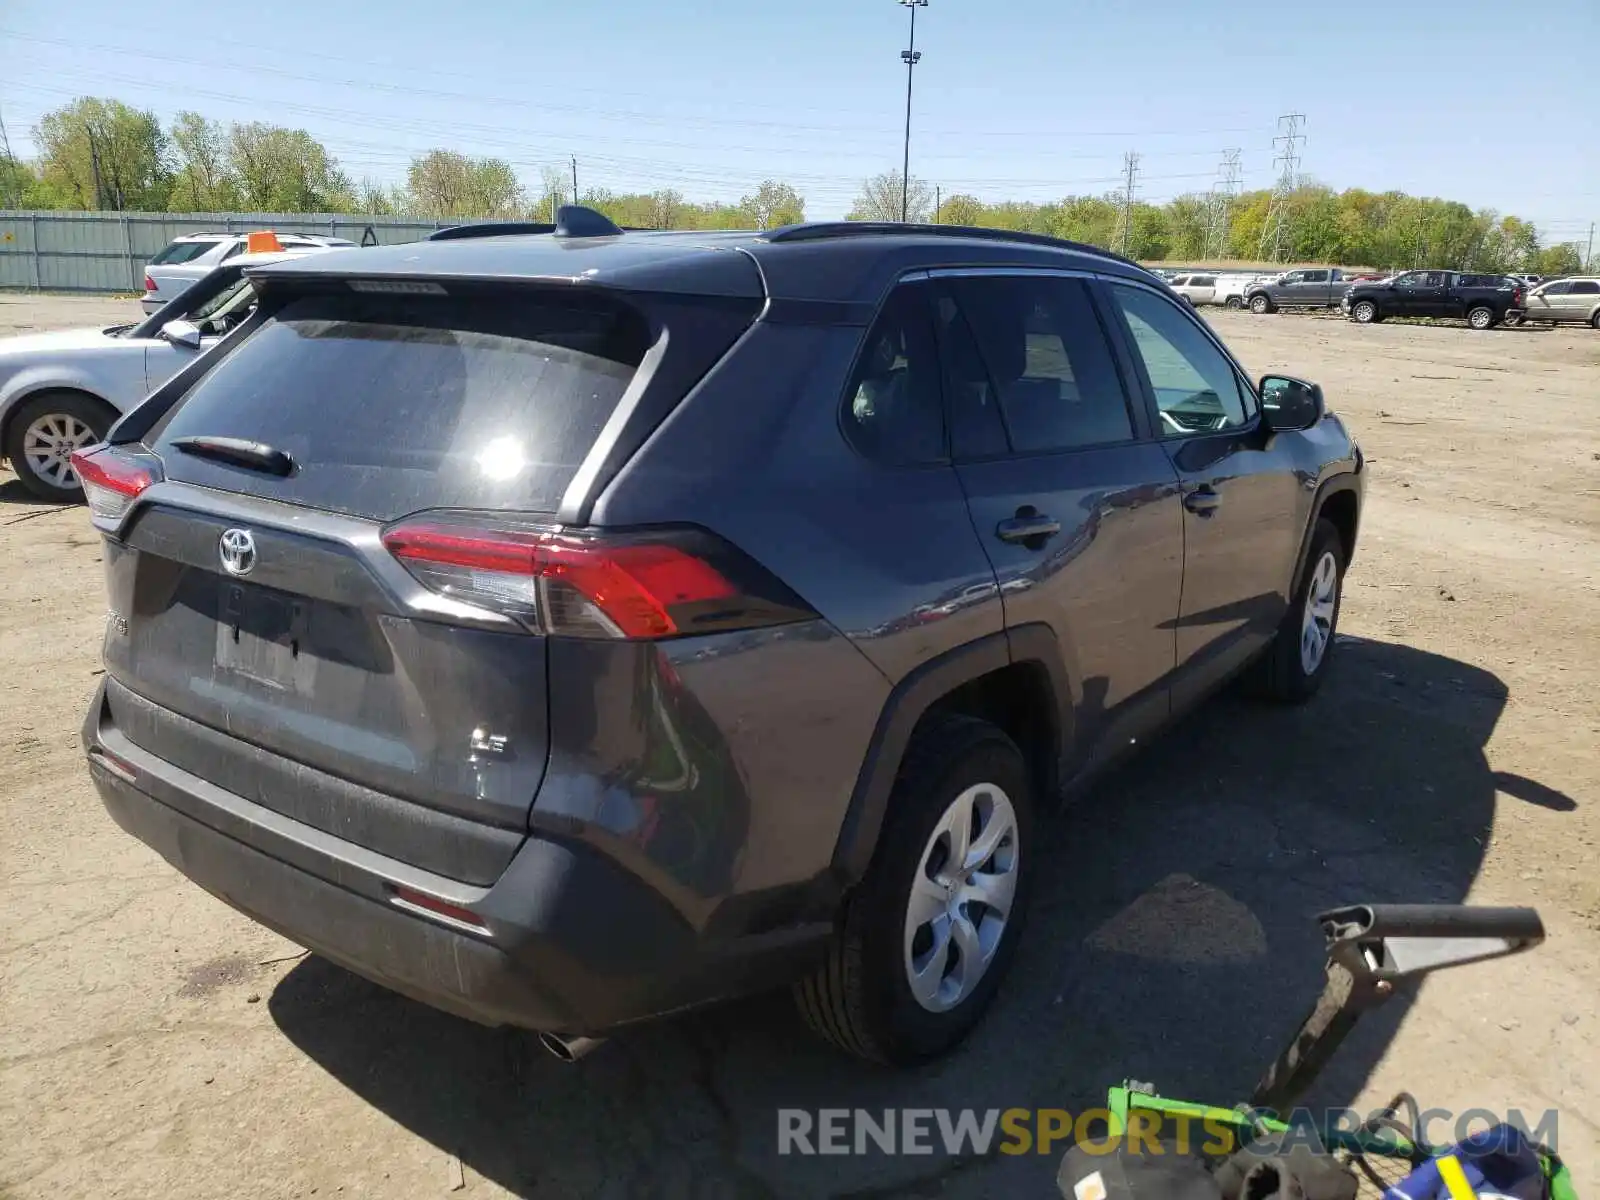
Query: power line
[{"x": 1275, "y": 233}]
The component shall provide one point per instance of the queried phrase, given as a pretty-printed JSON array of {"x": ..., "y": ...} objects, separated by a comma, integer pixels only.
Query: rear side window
[
  {"x": 1046, "y": 360},
  {"x": 392, "y": 404},
  {"x": 1585, "y": 287},
  {"x": 181, "y": 252}
]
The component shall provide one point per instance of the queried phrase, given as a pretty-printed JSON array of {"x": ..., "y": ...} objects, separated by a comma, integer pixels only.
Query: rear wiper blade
[{"x": 238, "y": 452}]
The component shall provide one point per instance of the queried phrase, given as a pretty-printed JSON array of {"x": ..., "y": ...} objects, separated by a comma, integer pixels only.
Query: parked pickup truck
[
  {"x": 1313, "y": 287},
  {"x": 1482, "y": 300}
]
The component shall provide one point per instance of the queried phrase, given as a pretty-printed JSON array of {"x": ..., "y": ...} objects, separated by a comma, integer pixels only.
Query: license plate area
[{"x": 264, "y": 636}]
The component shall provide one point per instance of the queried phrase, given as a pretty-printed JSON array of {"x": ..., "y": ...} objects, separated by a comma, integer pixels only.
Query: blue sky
[{"x": 1490, "y": 103}]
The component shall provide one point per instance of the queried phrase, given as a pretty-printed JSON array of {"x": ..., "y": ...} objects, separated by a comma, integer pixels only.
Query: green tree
[
  {"x": 444, "y": 183},
  {"x": 1563, "y": 259},
  {"x": 961, "y": 209},
  {"x": 774, "y": 204},
  {"x": 286, "y": 170},
  {"x": 104, "y": 155},
  {"x": 201, "y": 180}
]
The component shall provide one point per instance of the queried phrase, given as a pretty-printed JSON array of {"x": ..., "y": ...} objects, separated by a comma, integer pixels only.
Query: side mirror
[
  {"x": 1290, "y": 404},
  {"x": 182, "y": 333}
]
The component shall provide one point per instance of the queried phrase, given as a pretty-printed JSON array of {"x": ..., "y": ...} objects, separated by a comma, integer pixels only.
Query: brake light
[
  {"x": 111, "y": 482},
  {"x": 637, "y": 586},
  {"x": 149, "y": 284}
]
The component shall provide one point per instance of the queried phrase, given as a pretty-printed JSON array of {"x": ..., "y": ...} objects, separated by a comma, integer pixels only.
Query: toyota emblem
[{"x": 238, "y": 550}]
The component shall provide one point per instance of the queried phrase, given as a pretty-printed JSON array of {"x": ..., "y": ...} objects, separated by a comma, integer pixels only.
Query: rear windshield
[
  {"x": 391, "y": 404},
  {"x": 181, "y": 252}
]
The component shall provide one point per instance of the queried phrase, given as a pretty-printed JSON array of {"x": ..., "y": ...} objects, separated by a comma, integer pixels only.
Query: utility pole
[
  {"x": 94, "y": 165},
  {"x": 574, "y": 178},
  {"x": 1275, "y": 233},
  {"x": 1588, "y": 255},
  {"x": 910, "y": 56},
  {"x": 1219, "y": 206},
  {"x": 1130, "y": 168},
  {"x": 938, "y": 205}
]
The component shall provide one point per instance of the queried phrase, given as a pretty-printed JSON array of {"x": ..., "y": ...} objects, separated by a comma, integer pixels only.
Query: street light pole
[{"x": 910, "y": 55}]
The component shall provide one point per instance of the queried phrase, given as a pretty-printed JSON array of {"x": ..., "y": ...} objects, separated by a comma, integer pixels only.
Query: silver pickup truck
[{"x": 1310, "y": 287}]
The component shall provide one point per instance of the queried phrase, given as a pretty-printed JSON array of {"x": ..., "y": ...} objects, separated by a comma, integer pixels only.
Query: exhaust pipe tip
[{"x": 569, "y": 1049}]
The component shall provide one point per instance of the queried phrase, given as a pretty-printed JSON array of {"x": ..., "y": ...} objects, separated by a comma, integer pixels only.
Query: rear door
[
  {"x": 1313, "y": 288},
  {"x": 1579, "y": 300},
  {"x": 270, "y": 642},
  {"x": 1075, "y": 505}
]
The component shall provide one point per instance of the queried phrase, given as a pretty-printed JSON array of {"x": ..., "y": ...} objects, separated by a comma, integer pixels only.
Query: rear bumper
[
  {"x": 571, "y": 943},
  {"x": 149, "y": 305}
]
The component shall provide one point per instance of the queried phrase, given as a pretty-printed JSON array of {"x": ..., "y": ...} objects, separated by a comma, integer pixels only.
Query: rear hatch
[{"x": 285, "y": 622}]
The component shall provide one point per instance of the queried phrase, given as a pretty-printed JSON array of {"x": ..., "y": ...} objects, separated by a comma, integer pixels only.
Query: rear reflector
[
  {"x": 410, "y": 898},
  {"x": 640, "y": 586},
  {"x": 110, "y": 481}
]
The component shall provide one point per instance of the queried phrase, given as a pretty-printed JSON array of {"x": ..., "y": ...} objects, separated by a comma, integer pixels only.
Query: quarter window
[
  {"x": 1046, "y": 366},
  {"x": 893, "y": 405},
  {"x": 1195, "y": 386}
]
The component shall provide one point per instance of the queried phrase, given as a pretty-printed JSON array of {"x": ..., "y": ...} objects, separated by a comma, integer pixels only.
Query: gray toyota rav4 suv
[{"x": 568, "y": 628}]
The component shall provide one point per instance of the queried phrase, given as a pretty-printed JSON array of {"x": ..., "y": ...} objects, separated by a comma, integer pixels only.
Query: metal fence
[{"x": 55, "y": 251}]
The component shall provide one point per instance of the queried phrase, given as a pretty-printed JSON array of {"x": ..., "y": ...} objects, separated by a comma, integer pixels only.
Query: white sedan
[
  {"x": 194, "y": 255},
  {"x": 60, "y": 392}
]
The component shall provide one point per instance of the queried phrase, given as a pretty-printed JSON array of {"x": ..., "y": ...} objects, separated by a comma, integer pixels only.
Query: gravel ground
[{"x": 155, "y": 1044}]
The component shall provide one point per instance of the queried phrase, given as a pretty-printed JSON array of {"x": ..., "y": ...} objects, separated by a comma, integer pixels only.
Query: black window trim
[
  {"x": 1132, "y": 389},
  {"x": 1130, "y": 349}
]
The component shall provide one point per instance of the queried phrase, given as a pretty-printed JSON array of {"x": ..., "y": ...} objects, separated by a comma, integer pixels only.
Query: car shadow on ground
[{"x": 1172, "y": 940}]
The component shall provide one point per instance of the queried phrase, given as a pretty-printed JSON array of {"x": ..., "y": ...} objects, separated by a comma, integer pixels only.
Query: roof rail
[
  {"x": 821, "y": 230},
  {"x": 487, "y": 229}
]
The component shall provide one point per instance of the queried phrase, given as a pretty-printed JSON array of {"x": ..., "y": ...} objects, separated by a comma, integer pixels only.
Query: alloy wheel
[{"x": 48, "y": 445}]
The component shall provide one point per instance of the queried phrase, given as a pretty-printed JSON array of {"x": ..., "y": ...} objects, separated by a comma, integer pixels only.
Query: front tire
[
  {"x": 1260, "y": 305},
  {"x": 1297, "y": 660},
  {"x": 1481, "y": 317},
  {"x": 1234, "y": 303},
  {"x": 45, "y": 431},
  {"x": 1365, "y": 312},
  {"x": 929, "y": 934}
]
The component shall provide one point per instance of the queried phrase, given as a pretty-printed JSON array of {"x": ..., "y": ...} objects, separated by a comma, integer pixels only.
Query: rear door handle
[
  {"x": 1203, "y": 500},
  {"x": 1036, "y": 526}
]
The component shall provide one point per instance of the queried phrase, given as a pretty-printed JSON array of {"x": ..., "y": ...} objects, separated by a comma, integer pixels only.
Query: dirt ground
[{"x": 155, "y": 1044}]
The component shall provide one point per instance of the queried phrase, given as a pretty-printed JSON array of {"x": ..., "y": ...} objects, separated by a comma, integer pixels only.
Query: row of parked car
[
  {"x": 1482, "y": 300},
  {"x": 547, "y": 625}
]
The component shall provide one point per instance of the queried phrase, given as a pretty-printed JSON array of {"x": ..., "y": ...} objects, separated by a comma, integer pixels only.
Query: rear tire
[
  {"x": 1297, "y": 660},
  {"x": 960, "y": 777},
  {"x": 1260, "y": 304},
  {"x": 42, "y": 434},
  {"x": 1594, "y": 321},
  {"x": 1364, "y": 312},
  {"x": 1481, "y": 317}
]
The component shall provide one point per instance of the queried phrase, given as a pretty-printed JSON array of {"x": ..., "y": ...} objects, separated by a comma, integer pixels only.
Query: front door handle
[
  {"x": 1203, "y": 500},
  {"x": 1027, "y": 527}
]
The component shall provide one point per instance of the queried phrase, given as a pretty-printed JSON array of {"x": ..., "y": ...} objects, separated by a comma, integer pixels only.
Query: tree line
[{"x": 99, "y": 154}]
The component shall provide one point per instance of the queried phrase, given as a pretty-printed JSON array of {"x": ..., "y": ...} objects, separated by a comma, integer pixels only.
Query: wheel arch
[
  {"x": 1339, "y": 501},
  {"x": 1016, "y": 679}
]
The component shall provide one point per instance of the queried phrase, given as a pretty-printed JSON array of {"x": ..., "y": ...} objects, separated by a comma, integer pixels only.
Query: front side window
[
  {"x": 893, "y": 409},
  {"x": 1556, "y": 289},
  {"x": 1415, "y": 279},
  {"x": 1195, "y": 386},
  {"x": 1046, "y": 365}
]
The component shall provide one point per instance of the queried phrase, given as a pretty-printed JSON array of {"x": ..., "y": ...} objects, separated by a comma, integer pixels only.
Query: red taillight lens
[
  {"x": 149, "y": 284},
  {"x": 592, "y": 585},
  {"x": 110, "y": 481}
]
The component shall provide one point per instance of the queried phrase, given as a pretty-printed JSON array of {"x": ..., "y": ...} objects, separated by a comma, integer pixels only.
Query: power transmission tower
[
  {"x": 1275, "y": 233},
  {"x": 1219, "y": 204},
  {"x": 1130, "y": 169}
]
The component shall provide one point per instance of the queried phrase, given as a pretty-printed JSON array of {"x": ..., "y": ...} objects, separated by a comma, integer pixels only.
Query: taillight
[
  {"x": 111, "y": 481},
  {"x": 149, "y": 284},
  {"x": 587, "y": 584}
]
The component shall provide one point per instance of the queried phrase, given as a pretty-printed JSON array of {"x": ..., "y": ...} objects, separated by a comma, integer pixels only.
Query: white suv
[{"x": 193, "y": 256}]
